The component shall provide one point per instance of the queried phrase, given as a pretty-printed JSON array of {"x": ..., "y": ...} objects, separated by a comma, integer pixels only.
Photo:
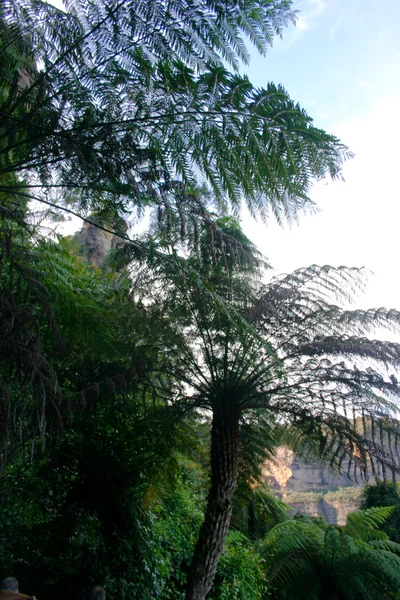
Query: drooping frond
[
  {"x": 197, "y": 33},
  {"x": 293, "y": 354},
  {"x": 26, "y": 314},
  {"x": 366, "y": 523},
  {"x": 337, "y": 388}
]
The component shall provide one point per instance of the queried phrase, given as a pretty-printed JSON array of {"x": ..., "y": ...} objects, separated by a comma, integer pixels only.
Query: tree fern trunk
[{"x": 224, "y": 471}]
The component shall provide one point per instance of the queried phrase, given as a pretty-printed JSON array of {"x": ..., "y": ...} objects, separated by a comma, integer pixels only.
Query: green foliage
[
  {"x": 351, "y": 494},
  {"x": 240, "y": 573},
  {"x": 115, "y": 503},
  {"x": 384, "y": 493},
  {"x": 304, "y": 497},
  {"x": 206, "y": 337},
  {"x": 55, "y": 312},
  {"x": 132, "y": 108},
  {"x": 365, "y": 523},
  {"x": 309, "y": 559},
  {"x": 345, "y": 494},
  {"x": 27, "y": 320},
  {"x": 256, "y": 510},
  {"x": 125, "y": 114}
]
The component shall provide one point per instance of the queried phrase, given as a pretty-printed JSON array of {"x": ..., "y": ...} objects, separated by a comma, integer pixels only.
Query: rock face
[
  {"x": 96, "y": 242},
  {"x": 307, "y": 483},
  {"x": 288, "y": 474},
  {"x": 333, "y": 512},
  {"x": 279, "y": 472}
]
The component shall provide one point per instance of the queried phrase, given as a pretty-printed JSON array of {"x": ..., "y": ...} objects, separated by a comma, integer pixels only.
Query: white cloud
[
  {"x": 301, "y": 23},
  {"x": 332, "y": 34}
]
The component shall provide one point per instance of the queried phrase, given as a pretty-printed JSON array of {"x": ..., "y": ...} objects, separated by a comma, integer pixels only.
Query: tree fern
[
  {"x": 364, "y": 524},
  {"x": 306, "y": 559},
  {"x": 287, "y": 351},
  {"x": 132, "y": 107}
]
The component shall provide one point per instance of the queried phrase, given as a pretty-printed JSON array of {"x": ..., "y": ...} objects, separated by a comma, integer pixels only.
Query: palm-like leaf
[
  {"x": 117, "y": 113},
  {"x": 315, "y": 561}
]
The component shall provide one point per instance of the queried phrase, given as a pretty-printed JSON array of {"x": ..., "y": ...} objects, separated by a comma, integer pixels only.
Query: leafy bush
[
  {"x": 114, "y": 505},
  {"x": 304, "y": 497},
  {"x": 385, "y": 494},
  {"x": 345, "y": 494},
  {"x": 240, "y": 574},
  {"x": 307, "y": 558}
]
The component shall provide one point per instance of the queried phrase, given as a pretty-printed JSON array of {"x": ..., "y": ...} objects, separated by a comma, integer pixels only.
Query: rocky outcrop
[
  {"x": 278, "y": 472},
  {"x": 308, "y": 486},
  {"x": 97, "y": 243},
  {"x": 288, "y": 474}
]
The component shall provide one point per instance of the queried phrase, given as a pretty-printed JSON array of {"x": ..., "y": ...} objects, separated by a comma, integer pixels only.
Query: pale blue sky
[
  {"x": 342, "y": 63},
  {"x": 338, "y": 57}
]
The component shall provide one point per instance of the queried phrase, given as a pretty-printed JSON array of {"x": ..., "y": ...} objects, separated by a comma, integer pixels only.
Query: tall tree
[
  {"x": 287, "y": 352},
  {"x": 127, "y": 105},
  {"x": 120, "y": 106}
]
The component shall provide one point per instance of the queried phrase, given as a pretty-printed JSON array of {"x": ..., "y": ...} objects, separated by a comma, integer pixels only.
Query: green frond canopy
[
  {"x": 309, "y": 559},
  {"x": 289, "y": 352},
  {"x": 128, "y": 105}
]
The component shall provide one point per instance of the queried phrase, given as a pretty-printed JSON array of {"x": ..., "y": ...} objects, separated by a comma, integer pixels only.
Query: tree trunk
[{"x": 224, "y": 472}]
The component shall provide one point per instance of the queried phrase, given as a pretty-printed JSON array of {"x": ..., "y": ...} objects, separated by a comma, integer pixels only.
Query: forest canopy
[{"x": 145, "y": 379}]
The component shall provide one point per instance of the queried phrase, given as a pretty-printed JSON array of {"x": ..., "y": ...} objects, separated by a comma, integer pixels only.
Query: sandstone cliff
[
  {"x": 312, "y": 487},
  {"x": 96, "y": 242}
]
